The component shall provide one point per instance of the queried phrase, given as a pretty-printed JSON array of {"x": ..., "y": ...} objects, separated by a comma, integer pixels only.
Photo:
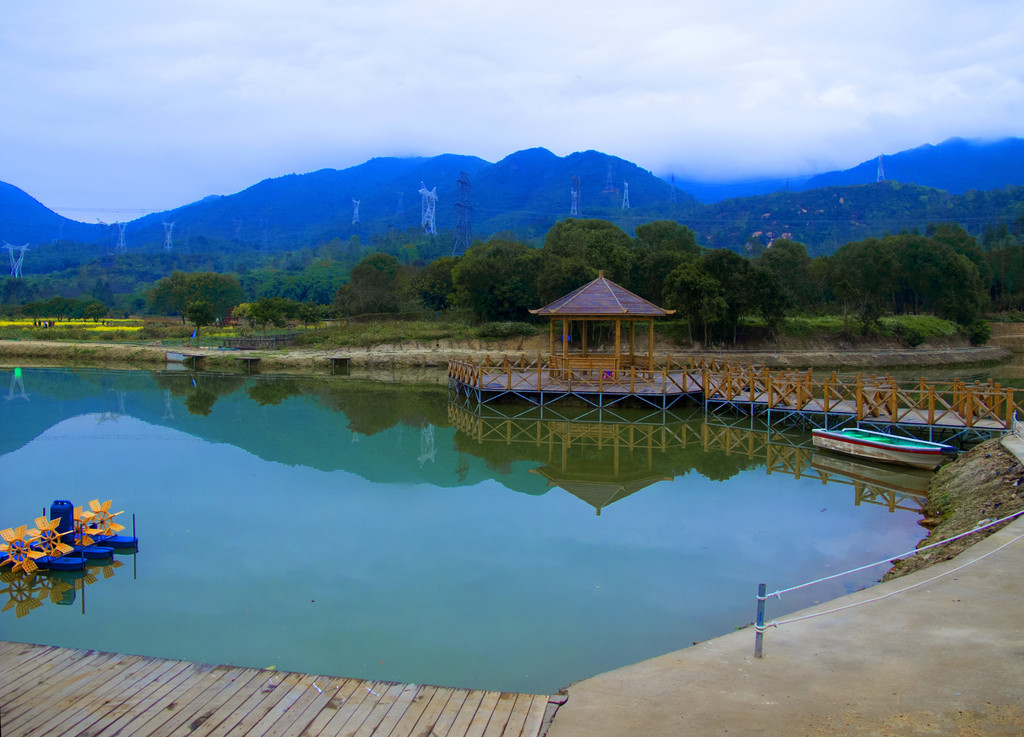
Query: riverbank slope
[{"x": 436, "y": 354}]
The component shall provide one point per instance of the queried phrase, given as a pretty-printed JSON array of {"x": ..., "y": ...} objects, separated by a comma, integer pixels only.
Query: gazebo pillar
[
  {"x": 650, "y": 344},
  {"x": 618, "y": 342}
]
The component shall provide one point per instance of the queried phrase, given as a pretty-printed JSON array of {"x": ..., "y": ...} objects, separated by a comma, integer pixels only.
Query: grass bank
[{"x": 982, "y": 485}]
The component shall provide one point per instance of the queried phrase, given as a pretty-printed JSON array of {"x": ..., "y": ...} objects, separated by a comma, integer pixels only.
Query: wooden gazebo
[{"x": 601, "y": 300}]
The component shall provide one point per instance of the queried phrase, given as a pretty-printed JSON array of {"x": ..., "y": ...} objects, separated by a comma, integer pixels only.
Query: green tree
[
  {"x": 272, "y": 311},
  {"x": 172, "y": 295},
  {"x": 199, "y": 312},
  {"x": 434, "y": 284},
  {"x": 373, "y": 286},
  {"x": 497, "y": 280},
  {"x": 692, "y": 290},
  {"x": 597, "y": 243},
  {"x": 789, "y": 263},
  {"x": 94, "y": 311},
  {"x": 658, "y": 248}
]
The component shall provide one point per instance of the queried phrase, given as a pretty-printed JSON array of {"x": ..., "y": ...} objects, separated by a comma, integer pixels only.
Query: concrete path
[{"x": 943, "y": 658}]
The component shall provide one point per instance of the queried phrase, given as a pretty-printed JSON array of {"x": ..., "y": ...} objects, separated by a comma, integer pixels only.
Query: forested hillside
[{"x": 525, "y": 194}]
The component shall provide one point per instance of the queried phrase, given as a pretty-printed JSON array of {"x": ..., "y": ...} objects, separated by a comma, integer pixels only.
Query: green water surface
[{"x": 346, "y": 527}]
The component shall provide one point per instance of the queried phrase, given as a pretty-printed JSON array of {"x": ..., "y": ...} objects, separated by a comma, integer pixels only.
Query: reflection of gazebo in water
[
  {"x": 601, "y": 301},
  {"x": 604, "y": 470}
]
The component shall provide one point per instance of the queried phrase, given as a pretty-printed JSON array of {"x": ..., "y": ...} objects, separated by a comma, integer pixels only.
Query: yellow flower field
[{"x": 104, "y": 326}]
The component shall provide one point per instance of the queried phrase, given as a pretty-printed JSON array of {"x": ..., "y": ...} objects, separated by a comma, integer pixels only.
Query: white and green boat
[{"x": 881, "y": 446}]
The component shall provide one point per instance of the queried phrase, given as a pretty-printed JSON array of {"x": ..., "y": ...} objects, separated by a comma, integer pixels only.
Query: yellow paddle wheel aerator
[
  {"x": 20, "y": 556},
  {"x": 48, "y": 539},
  {"x": 82, "y": 532},
  {"x": 101, "y": 519}
]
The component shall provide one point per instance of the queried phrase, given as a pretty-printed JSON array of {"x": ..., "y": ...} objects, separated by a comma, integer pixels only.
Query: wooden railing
[{"x": 872, "y": 398}]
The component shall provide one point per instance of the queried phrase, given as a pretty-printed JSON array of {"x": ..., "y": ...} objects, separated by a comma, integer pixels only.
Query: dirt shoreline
[{"x": 416, "y": 354}]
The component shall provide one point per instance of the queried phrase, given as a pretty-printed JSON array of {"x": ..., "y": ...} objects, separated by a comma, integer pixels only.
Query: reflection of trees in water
[
  {"x": 201, "y": 390},
  {"x": 718, "y": 466},
  {"x": 372, "y": 408},
  {"x": 200, "y": 402},
  {"x": 273, "y": 391}
]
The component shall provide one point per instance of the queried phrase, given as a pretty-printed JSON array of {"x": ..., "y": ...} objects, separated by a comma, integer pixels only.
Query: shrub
[
  {"x": 506, "y": 330},
  {"x": 979, "y": 333}
]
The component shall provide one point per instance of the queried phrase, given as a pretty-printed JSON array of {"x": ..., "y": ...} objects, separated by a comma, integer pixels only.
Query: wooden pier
[
  {"x": 57, "y": 691},
  {"x": 820, "y": 401}
]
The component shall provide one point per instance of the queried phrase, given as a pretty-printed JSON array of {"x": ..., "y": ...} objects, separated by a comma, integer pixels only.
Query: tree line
[{"x": 944, "y": 271}]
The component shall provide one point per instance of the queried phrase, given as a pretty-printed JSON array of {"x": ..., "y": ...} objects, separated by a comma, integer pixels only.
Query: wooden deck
[
  {"x": 50, "y": 691},
  {"x": 749, "y": 389}
]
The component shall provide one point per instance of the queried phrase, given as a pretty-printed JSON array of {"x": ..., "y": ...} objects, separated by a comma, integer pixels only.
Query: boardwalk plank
[
  {"x": 121, "y": 701},
  {"x": 420, "y": 701},
  {"x": 201, "y": 713},
  {"x": 368, "y": 724},
  {"x": 16, "y": 655},
  {"x": 185, "y": 703},
  {"x": 302, "y": 716},
  {"x": 50, "y": 673},
  {"x": 257, "y": 700},
  {"x": 459, "y": 701},
  {"x": 517, "y": 716},
  {"x": 498, "y": 717},
  {"x": 109, "y": 695},
  {"x": 352, "y": 688},
  {"x": 131, "y": 716},
  {"x": 60, "y": 716},
  {"x": 42, "y": 704},
  {"x": 262, "y": 718},
  {"x": 468, "y": 712},
  {"x": 390, "y": 715},
  {"x": 427, "y": 722},
  {"x": 535, "y": 717}
]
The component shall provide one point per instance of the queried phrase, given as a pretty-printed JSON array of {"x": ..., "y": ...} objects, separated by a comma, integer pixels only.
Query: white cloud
[{"x": 123, "y": 104}]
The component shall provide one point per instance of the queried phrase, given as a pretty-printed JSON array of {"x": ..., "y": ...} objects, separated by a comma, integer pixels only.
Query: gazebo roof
[{"x": 602, "y": 297}]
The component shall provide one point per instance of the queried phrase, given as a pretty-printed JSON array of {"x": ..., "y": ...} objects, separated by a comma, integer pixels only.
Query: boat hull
[{"x": 919, "y": 455}]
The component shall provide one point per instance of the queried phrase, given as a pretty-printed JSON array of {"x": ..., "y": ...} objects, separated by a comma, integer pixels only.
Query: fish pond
[{"x": 361, "y": 528}]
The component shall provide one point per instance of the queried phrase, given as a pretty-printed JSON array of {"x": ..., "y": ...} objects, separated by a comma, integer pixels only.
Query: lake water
[{"x": 348, "y": 527}]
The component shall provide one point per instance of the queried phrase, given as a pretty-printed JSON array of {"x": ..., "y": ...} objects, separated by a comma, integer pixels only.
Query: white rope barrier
[
  {"x": 892, "y": 593},
  {"x": 778, "y": 594},
  {"x": 760, "y": 626}
]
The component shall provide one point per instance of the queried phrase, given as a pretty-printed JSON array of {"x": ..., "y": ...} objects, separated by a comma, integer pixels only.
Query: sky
[{"x": 117, "y": 108}]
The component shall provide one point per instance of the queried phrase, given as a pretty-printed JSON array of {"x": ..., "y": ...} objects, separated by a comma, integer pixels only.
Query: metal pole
[{"x": 759, "y": 625}]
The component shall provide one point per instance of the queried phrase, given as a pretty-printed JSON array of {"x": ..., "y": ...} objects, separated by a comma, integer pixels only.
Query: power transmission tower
[
  {"x": 625, "y": 195},
  {"x": 428, "y": 200},
  {"x": 463, "y": 211},
  {"x": 609, "y": 186},
  {"x": 574, "y": 208},
  {"x": 16, "y": 261},
  {"x": 168, "y": 229},
  {"x": 120, "y": 247},
  {"x": 672, "y": 192},
  {"x": 881, "y": 170},
  {"x": 355, "y": 211}
]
